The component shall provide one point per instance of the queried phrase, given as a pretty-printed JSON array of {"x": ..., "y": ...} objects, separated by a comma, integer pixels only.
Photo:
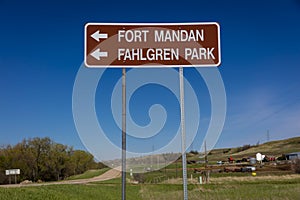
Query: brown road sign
[{"x": 152, "y": 45}]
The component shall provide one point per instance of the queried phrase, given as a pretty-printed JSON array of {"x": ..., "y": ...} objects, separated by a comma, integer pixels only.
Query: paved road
[{"x": 110, "y": 174}]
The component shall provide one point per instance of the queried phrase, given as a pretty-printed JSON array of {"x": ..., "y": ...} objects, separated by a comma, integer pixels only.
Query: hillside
[{"x": 273, "y": 148}]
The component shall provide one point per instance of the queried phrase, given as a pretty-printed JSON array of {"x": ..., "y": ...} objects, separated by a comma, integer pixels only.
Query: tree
[
  {"x": 82, "y": 161},
  {"x": 56, "y": 164},
  {"x": 40, "y": 149},
  {"x": 23, "y": 159},
  {"x": 43, "y": 159}
]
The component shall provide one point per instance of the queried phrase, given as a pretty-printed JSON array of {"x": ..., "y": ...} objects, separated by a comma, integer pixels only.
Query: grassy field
[
  {"x": 88, "y": 174},
  {"x": 67, "y": 192},
  {"x": 231, "y": 187},
  {"x": 272, "y": 181}
]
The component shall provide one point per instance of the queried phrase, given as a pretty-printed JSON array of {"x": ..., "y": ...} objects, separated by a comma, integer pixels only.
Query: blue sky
[{"x": 41, "y": 50}]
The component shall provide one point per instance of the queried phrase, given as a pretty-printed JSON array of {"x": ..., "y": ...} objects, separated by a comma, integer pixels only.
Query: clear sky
[{"x": 41, "y": 51}]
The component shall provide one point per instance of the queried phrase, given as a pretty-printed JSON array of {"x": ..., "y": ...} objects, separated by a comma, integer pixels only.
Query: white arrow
[
  {"x": 98, "y": 54},
  {"x": 97, "y": 36}
]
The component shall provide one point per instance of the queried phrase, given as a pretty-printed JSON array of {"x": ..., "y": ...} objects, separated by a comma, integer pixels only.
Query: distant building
[{"x": 292, "y": 156}]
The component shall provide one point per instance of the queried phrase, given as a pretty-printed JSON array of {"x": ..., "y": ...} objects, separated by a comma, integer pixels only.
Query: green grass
[
  {"x": 276, "y": 187},
  {"x": 257, "y": 189},
  {"x": 88, "y": 174},
  {"x": 248, "y": 191},
  {"x": 111, "y": 181},
  {"x": 67, "y": 192}
]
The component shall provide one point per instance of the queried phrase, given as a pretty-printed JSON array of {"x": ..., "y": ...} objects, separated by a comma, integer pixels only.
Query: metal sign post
[
  {"x": 184, "y": 175},
  {"x": 123, "y": 134}
]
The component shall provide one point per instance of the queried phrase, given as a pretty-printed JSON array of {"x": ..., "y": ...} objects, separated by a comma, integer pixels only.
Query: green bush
[{"x": 139, "y": 178}]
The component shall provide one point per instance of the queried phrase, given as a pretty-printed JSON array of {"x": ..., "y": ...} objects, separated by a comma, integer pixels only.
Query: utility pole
[
  {"x": 124, "y": 134},
  {"x": 176, "y": 162},
  {"x": 152, "y": 157},
  {"x": 205, "y": 154},
  {"x": 207, "y": 172}
]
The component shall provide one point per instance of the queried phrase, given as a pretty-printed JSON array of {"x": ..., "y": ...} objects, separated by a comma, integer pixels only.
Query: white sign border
[{"x": 151, "y": 24}]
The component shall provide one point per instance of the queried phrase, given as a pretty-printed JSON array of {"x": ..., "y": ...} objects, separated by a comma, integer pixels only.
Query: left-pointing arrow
[
  {"x": 98, "y": 54},
  {"x": 97, "y": 36}
]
